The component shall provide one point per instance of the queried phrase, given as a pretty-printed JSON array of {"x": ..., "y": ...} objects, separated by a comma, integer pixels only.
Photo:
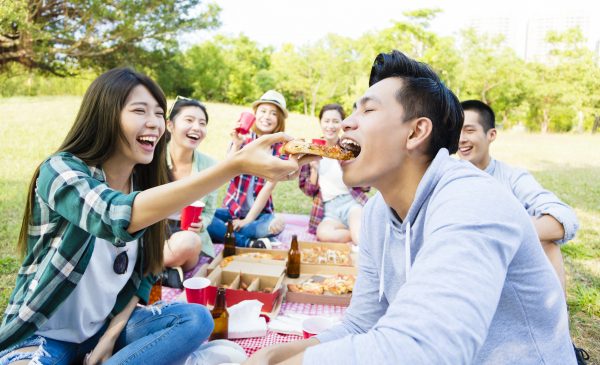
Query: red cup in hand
[
  {"x": 191, "y": 214},
  {"x": 196, "y": 289},
  {"x": 245, "y": 122}
]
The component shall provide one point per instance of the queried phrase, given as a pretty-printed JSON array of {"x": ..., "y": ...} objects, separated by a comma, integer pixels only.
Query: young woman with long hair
[{"x": 93, "y": 235}]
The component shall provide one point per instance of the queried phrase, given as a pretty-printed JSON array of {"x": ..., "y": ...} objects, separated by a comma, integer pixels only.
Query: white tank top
[
  {"x": 86, "y": 309},
  {"x": 330, "y": 179}
]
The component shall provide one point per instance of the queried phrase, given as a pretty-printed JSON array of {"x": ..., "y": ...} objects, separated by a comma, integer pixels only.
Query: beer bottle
[
  {"x": 293, "y": 264},
  {"x": 229, "y": 241},
  {"x": 220, "y": 317}
]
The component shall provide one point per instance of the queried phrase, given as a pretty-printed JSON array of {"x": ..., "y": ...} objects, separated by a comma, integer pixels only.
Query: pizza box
[
  {"x": 254, "y": 285},
  {"x": 279, "y": 257},
  {"x": 326, "y": 253},
  {"x": 306, "y": 272}
]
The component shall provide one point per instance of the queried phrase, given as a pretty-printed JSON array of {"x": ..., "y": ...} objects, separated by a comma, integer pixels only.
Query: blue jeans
[
  {"x": 163, "y": 333},
  {"x": 259, "y": 228}
]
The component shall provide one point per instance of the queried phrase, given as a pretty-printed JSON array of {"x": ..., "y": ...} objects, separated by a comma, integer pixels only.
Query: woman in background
[
  {"x": 186, "y": 129},
  {"x": 248, "y": 203},
  {"x": 336, "y": 210}
]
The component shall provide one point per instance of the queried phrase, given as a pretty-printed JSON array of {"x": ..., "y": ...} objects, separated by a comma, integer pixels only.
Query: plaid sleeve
[
  {"x": 304, "y": 182},
  {"x": 65, "y": 184}
]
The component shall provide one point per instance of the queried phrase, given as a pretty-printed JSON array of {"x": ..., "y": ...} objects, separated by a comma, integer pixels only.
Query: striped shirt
[
  {"x": 237, "y": 192},
  {"x": 72, "y": 206},
  {"x": 318, "y": 208}
]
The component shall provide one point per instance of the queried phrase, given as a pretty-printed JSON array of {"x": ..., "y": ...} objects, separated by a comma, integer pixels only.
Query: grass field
[{"x": 569, "y": 165}]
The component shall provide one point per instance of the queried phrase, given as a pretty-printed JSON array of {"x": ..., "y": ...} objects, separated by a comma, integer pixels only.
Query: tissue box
[{"x": 248, "y": 284}]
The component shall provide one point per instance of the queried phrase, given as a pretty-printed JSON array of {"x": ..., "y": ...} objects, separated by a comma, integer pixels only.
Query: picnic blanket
[{"x": 295, "y": 224}]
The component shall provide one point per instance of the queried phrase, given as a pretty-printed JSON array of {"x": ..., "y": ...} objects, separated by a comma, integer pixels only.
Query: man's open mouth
[{"x": 351, "y": 146}]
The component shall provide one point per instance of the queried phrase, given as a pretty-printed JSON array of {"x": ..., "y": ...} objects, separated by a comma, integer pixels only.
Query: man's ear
[
  {"x": 419, "y": 134},
  {"x": 491, "y": 135}
]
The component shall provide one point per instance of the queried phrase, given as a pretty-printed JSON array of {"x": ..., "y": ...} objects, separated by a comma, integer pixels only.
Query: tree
[{"x": 59, "y": 36}]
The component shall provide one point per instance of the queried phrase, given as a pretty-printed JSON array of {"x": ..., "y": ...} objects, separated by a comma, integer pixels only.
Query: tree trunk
[
  {"x": 596, "y": 124},
  {"x": 545, "y": 121}
]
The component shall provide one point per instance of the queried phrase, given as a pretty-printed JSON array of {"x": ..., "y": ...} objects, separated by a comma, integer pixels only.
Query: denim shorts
[{"x": 339, "y": 208}]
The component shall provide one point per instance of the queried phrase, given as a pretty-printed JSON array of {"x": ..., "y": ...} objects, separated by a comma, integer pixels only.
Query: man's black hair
[
  {"x": 423, "y": 94},
  {"x": 487, "y": 118}
]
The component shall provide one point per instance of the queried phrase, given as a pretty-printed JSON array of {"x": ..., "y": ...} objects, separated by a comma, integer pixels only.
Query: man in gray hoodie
[{"x": 450, "y": 268}]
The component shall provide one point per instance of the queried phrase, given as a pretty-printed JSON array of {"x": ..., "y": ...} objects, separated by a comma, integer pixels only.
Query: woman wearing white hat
[{"x": 248, "y": 203}]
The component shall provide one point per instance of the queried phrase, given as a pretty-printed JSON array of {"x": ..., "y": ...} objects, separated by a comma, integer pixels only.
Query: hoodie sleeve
[
  {"x": 442, "y": 314},
  {"x": 538, "y": 201}
]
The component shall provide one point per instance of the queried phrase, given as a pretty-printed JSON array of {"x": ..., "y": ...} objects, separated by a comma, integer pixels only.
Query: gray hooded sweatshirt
[{"x": 462, "y": 280}]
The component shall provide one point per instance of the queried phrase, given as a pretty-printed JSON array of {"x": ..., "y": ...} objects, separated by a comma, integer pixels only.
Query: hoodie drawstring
[{"x": 407, "y": 254}]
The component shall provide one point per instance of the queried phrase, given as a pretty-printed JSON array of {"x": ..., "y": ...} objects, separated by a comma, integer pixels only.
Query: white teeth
[
  {"x": 148, "y": 138},
  {"x": 349, "y": 141}
]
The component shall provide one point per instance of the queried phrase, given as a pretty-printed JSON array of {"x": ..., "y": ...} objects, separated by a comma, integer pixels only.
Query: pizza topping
[{"x": 333, "y": 285}]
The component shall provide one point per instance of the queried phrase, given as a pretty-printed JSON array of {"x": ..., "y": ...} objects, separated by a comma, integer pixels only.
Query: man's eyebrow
[{"x": 364, "y": 100}]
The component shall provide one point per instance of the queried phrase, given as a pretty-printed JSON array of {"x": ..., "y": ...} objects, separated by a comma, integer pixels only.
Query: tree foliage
[
  {"x": 60, "y": 36},
  {"x": 558, "y": 93}
]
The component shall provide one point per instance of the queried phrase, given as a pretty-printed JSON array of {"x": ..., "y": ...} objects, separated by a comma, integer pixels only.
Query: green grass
[{"x": 568, "y": 164}]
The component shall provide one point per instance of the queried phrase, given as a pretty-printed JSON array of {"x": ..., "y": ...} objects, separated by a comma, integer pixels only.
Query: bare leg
[
  {"x": 354, "y": 222},
  {"x": 330, "y": 230},
  {"x": 277, "y": 225},
  {"x": 24, "y": 350},
  {"x": 553, "y": 253},
  {"x": 183, "y": 249}
]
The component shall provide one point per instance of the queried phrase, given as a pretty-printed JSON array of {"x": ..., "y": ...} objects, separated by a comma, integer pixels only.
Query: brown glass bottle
[
  {"x": 293, "y": 264},
  {"x": 220, "y": 317},
  {"x": 229, "y": 241}
]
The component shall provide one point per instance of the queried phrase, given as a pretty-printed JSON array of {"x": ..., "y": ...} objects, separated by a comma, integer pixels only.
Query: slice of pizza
[{"x": 300, "y": 146}]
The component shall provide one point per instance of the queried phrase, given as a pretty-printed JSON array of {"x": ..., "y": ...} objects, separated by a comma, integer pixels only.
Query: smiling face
[
  {"x": 266, "y": 118},
  {"x": 331, "y": 124},
  {"x": 474, "y": 143},
  {"x": 142, "y": 124},
  {"x": 188, "y": 128},
  {"x": 377, "y": 132}
]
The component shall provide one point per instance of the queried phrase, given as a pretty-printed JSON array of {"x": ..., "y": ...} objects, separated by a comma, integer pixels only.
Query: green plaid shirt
[{"x": 72, "y": 206}]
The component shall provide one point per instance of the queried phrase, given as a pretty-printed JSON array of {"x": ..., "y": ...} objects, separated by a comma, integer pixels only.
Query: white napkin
[
  {"x": 290, "y": 324},
  {"x": 245, "y": 320}
]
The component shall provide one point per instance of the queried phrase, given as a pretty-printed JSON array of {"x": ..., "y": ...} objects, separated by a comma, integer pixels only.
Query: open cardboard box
[
  {"x": 342, "y": 249},
  {"x": 279, "y": 258},
  {"x": 306, "y": 272},
  {"x": 254, "y": 284}
]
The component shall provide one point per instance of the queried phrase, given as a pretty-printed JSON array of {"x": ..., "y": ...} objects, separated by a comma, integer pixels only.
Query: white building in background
[{"x": 527, "y": 36}]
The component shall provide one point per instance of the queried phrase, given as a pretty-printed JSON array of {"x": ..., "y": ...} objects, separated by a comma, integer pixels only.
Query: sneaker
[
  {"x": 172, "y": 277},
  {"x": 581, "y": 355},
  {"x": 260, "y": 243}
]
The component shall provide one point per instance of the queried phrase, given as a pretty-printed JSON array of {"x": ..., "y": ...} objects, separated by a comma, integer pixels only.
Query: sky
[{"x": 274, "y": 22}]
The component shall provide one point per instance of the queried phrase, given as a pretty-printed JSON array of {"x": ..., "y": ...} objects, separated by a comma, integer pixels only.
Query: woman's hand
[
  {"x": 102, "y": 352},
  {"x": 236, "y": 140},
  {"x": 240, "y": 223},
  {"x": 256, "y": 159},
  {"x": 196, "y": 227}
]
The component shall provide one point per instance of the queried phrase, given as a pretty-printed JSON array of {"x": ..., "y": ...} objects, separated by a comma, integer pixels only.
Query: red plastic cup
[
  {"x": 314, "y": 325},
  {"x": 196, "y": 289},
  {"x": 320, "y": 142},
  {"x": 191, "y": 214},
  {"x": 245, "y": 122}
]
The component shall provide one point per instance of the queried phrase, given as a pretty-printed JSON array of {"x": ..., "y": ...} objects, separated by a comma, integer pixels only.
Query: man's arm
[
  {"x": 547, "y": 208},
  {"x": 548, "y": 228}
]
